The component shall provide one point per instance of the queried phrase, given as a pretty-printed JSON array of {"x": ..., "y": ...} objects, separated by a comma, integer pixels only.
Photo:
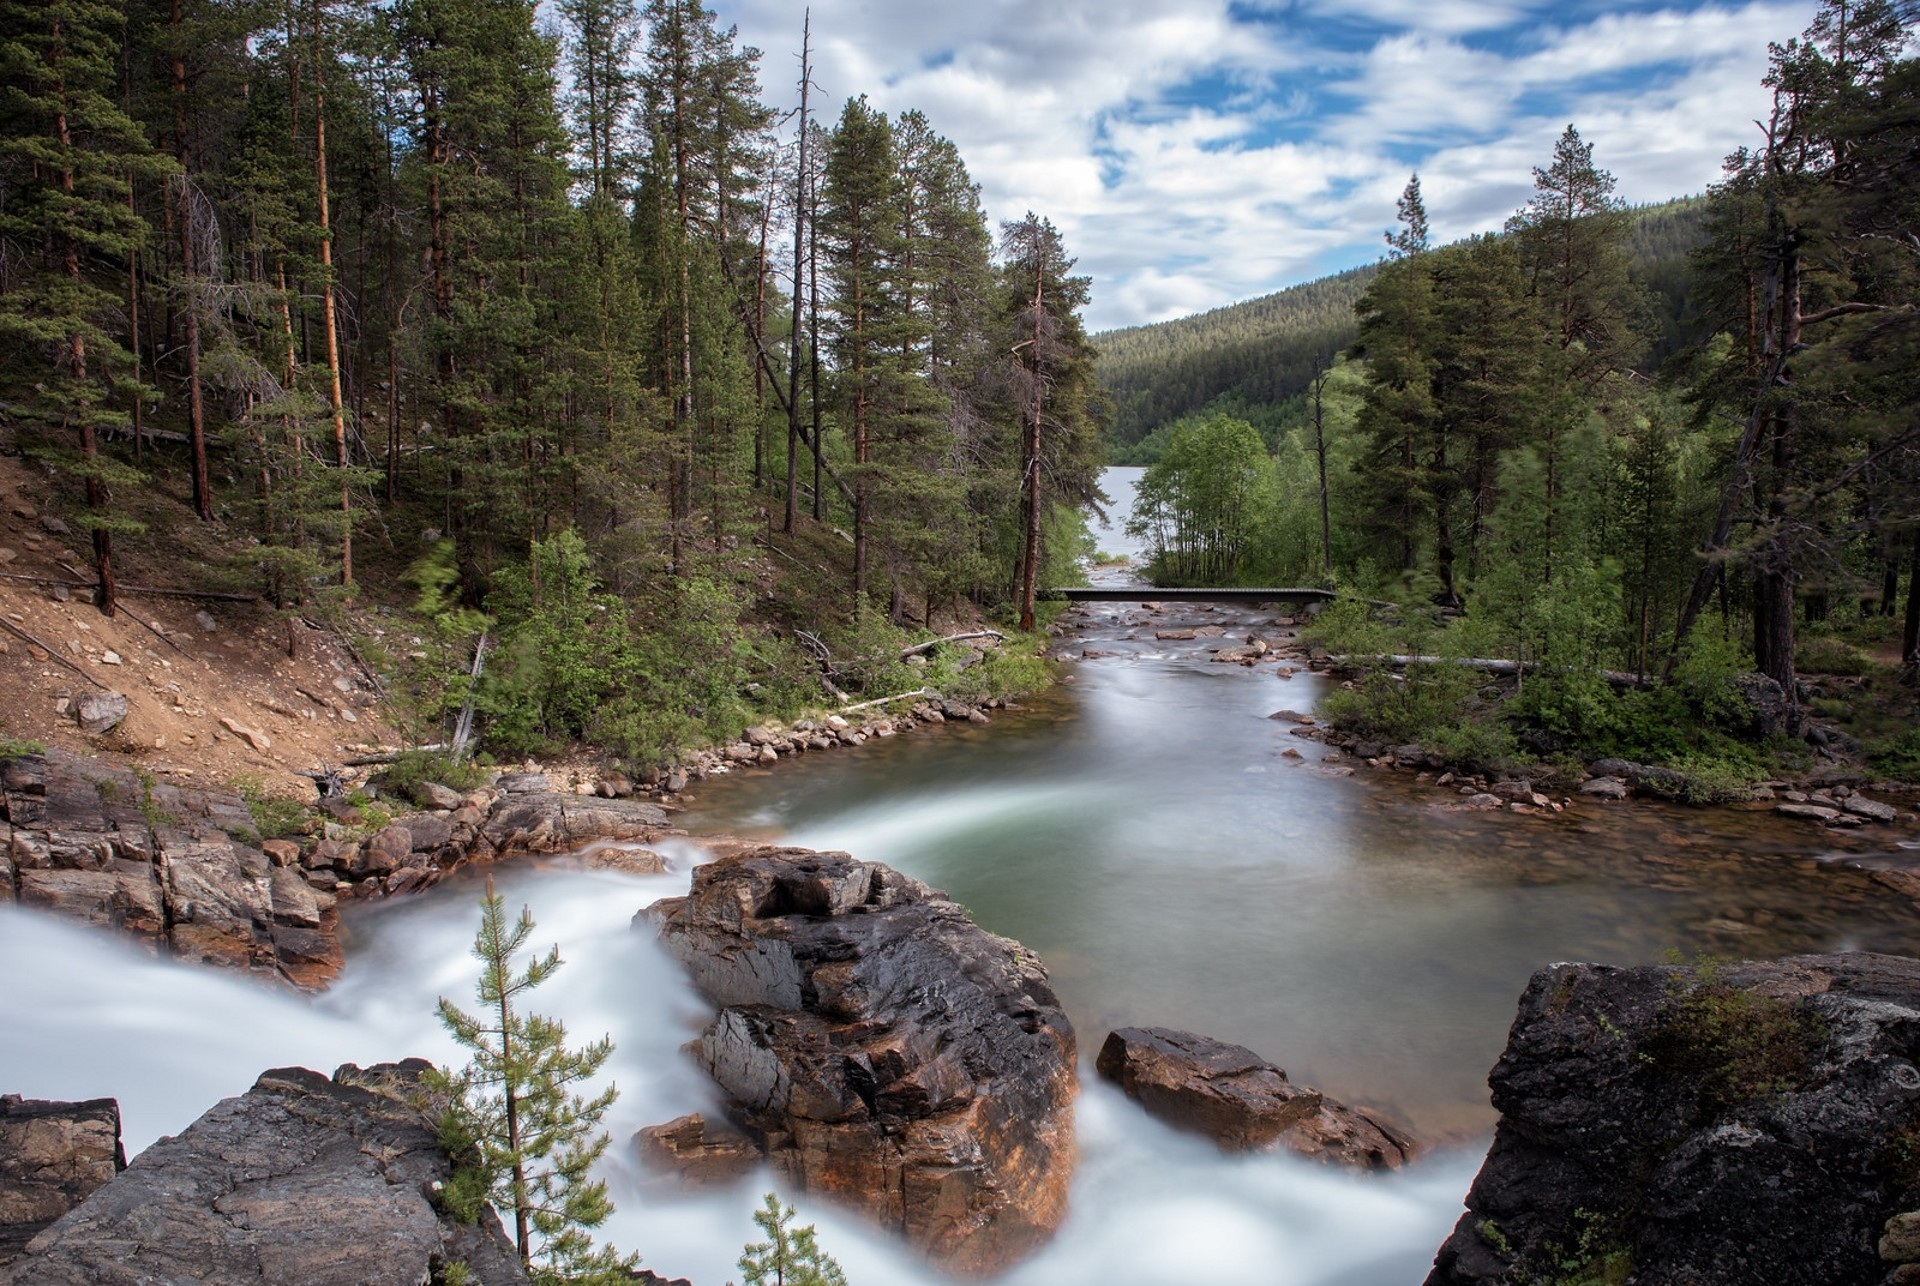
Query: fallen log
[
  {"x": 881, "y": 701},
  {"x": 931, "y": 644}
]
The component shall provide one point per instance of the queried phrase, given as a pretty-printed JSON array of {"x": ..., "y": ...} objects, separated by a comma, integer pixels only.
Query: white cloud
[{"x": 1194, "y": 156}]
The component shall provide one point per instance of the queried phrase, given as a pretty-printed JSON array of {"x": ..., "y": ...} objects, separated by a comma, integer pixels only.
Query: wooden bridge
[{"x": 1152, "y": 594}]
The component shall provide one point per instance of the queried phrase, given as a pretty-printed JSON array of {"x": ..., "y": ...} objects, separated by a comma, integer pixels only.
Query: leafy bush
[
  {"x": 1898, "y": 757},
  {"x": 1825, "y": 654},
  {"x": 1015, "y": 668},
  {"x": 414, "y": 768}
]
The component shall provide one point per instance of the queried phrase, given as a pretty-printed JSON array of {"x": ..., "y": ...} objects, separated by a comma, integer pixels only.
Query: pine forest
[{"x": 535, "y": 321}]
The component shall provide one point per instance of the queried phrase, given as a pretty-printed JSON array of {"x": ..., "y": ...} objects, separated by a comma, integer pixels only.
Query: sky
[{"x": 1194, "y": 153}]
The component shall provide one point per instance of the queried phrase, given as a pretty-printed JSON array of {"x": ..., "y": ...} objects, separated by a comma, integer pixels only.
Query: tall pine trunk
[{"x": 329, "y": 316}]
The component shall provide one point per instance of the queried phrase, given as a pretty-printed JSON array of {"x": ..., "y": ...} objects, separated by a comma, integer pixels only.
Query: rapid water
[{"x": 1141, "y": 828}]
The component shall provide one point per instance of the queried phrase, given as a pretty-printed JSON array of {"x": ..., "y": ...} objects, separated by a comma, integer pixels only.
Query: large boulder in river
[
  {"x": 1742, "y": 1124},
  {"x": 885, "y": 1050},
  {"x": 301, "y": 1181},
  {"x": 1243, "y": 1102},
  {"x": 53, "y": 1156}
]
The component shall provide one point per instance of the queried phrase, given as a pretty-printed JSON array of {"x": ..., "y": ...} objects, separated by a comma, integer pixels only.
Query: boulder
[
  {"x": 885, "y": 1050},
  {"x": 697, "y": 1153},
  {"x": 53, "y": 1156},
  {"x": 1605, "y": 788},
  {"x": 1872, "y": 809},
  {"x": 100, "y": 712},
  {"x": 1734, "y": 1124},
  {"x": 301, "y": 1181},
  {"x": 545, "y": 822},
  {"x": 1241, "y": 1101},
  {"x": 431, "y": 794}
]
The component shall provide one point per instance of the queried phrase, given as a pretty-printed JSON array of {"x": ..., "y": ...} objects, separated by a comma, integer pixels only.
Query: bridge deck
[{"x": 1150, "y": 594}]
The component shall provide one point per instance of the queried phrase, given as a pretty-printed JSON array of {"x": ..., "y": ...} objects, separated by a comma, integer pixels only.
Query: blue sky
[{"x": 1198, "y": 152}]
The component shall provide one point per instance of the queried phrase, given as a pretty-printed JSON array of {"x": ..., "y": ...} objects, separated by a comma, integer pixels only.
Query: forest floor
[{"x": 212, "y": 692}]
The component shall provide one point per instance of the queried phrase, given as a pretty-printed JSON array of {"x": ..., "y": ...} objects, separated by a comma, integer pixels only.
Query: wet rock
[
  {"x": 1691, "y": 1123},
  {"x": 1230, "y": 1094},
  {"x": 1871, "y": 809},
  {"x": 883, "y": 1048},
  {"x": 1605, "y": 788},
  {"x": 1807, "y": 812},
  {"x": 1293, "y": 716},
  {"x": 100, "y": 712},
  {"x": 696, "y": 1152},
  {"x": 301, "y": 1181},
  {"x": 1624, "y": 769},
  {"x": 523, "y": 822},
  {"x": 523, "y": 783},
  {"x": 628, "y": 861},
  {"x": 53, "y": 1156},
  {"x": 1174, "y": 636},
  {"x": 1482, "y": 799}
]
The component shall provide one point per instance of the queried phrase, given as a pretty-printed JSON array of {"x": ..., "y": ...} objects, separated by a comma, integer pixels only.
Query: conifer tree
[
  {"x": 1058, "y": 406},
  {"x": 69, "y": 153},
  {"x": 522, "y": 1136},
  {"x": 790, "y": 1256},
  {"x": 1411, "y": 238}
]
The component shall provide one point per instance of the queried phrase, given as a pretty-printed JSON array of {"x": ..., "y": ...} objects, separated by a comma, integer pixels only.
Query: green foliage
[
  {"x": 790, "y": 1256},
  {"x": 274, "y": 816},
  {"x": 17, "y": 747},
  {"x": 1825, "y": 654},
  {"x": 1733, "y": 1046},
  {"x": 1899, "y": 756},
  {"x": 412, "y": 769},
  {"x": 520, "y": 1135},
  {"x": 1203, "y": 503}
]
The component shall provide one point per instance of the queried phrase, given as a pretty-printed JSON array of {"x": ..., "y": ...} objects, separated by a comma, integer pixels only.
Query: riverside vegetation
[{"x": 1628, "y": 477}]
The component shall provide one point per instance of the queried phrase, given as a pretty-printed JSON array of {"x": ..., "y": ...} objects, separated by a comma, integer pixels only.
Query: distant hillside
[{"x": 1263, "y": 352}]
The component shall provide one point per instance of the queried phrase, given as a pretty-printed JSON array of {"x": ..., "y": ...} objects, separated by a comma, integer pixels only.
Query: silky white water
[{"x": 84, "y": 1016}]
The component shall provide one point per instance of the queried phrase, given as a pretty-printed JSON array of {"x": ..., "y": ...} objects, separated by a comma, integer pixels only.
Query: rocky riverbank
[{"x": 184, "y": 873}]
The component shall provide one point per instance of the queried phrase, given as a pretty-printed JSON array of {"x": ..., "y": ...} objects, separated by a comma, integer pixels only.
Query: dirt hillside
[{"x": 212, "y": 692}]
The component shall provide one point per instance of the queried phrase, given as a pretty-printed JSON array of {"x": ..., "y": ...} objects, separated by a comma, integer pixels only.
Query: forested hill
[{"x": 1262, "y": 352}]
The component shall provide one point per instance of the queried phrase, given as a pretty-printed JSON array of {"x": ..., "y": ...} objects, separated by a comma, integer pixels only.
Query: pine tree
[
  {"x": 790, "y": 1256},
  {"x": 523, "y": 1137},
  {"x": 1411, "y": 238},
  {"x": 68, "y": 154},
  {"x": 1057, "y": 404}
]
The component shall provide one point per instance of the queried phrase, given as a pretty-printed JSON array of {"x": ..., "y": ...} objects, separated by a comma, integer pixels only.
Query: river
[{"x": 1140, "y": 827}]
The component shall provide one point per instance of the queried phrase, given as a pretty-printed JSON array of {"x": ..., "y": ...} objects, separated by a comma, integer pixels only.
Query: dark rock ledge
[
  {"x": 882, "y": 1049},
  {"x": 1754, "y": 1123},
  {"x": 301, "y": 1181}
]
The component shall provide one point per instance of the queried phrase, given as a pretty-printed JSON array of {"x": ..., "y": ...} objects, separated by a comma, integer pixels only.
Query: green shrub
[
  {"x": 1825, "y": 654},
  {"x": 413, "y": 769},
  {"x": 1898, "y": 757},
  {"x": 273, "y": 816}
]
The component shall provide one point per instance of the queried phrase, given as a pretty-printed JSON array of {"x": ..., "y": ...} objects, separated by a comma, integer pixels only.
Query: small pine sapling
[
  {"x": 790, "y": 1256},
  {"x": 525, "y": 1140}
]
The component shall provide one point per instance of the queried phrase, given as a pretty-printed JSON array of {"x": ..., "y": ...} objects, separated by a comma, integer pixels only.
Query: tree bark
[
  {"x": 326, "y": 305},
  {"x": 800, "y": 215}
]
